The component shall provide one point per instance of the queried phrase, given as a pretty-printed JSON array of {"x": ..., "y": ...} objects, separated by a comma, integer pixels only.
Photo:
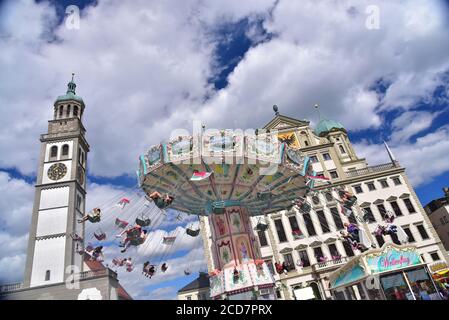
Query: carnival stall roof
[
  {"x": 388, "y": 258},
  {"x": 228, "y": 169}
]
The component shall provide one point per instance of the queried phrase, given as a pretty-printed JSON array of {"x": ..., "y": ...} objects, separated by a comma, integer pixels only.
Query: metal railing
[
  {"x": 10, "y": 287},
  {"x": 329, "y": 263},
  {"x": 97, "y": 273},
  {"x": 371, "y": 169},
  {"x": 6, "y": 288}
]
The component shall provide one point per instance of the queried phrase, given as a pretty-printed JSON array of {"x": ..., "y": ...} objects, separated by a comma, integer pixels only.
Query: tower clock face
[{"x": 57, "y": 171}]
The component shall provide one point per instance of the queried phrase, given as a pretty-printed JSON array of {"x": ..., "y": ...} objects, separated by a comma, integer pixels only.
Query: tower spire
[
  {"x": 71, "y": 86},
  {"x": 390, "y": 154},
  {"x": 317, "y": 107}
]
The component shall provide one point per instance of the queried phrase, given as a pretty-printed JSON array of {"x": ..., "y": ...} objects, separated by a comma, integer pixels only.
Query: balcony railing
[
  {"x": 6, "y": 288},
  {"x": 10, "y": 287},
  {"x": 329, "y": 263},
  {"x": 372, "y": 169}
]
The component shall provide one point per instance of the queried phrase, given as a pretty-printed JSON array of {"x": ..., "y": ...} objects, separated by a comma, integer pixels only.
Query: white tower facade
[{"x": 60, "y": 196}]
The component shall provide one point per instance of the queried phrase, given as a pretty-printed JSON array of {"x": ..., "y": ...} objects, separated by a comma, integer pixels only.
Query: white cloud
[
  {"x": 16, "y": 204},
  {"x": 146, "y": 72},
  {"x": 424, "y": 159},
  {"x": 410, "y": 123}
]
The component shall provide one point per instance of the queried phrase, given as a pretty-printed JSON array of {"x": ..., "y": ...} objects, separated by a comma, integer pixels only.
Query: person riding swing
[
  {"x": 160, "y": 201},
  {"x": 93, "y": 216},
  {"x": 134, "y": 236}
]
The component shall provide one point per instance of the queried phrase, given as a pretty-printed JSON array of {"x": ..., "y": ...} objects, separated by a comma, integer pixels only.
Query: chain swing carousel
[{"x": 228, "y": 177}]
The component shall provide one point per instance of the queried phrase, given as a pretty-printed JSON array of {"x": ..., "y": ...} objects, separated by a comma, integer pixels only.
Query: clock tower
[{"x": 60, "y": 196}]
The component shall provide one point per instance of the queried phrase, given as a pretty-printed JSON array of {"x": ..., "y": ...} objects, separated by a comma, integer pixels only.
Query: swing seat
[
  {"x": 117, "y": 262},
  {"x": 100, "y": 236},
  {"x": 121, "y": 223},
  {"x": 193, "y": 233},
  {"x": 136, "y": 242},
  {"x": 94, "y": 219},
  {"x": 76, "y": 237},
  {"x": 143, "y": 222}
]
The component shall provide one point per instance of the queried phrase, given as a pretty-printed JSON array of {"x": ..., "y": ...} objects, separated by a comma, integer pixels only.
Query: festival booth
[
  {"x": 440, "y": 274},
  {"x": 393, "y": 272},
  {"x": 252, "y": 279}
]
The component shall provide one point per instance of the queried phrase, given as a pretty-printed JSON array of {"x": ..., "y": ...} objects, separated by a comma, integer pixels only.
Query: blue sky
[{"x": 153, "y": 67}]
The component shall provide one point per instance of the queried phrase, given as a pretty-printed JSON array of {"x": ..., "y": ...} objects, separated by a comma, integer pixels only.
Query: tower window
[
  {"x": 409, "y": 205},
  {"x": 75, "y": 111},
  {"x": 396, "y": 181},
  {"x": 304, "y": 258},
  {"x": 422, "y": 231},
  {"x": 411, "y": 238},
  {"x": 67, "y": 113},
  {"x": 262, "y": 238},
  {"x": 54, "y": 152},
  {"x": 306, "y": 143},
  {"x": 61, "y": 110},
  {"x": 358, "y": 189},
  {"x": 47, "y": 275},
  {"x": 323, "y": 221},
  {"x": 348, "y": 249},
  {"x": 313, "y": 159},
  {"x": 342, "y": 150},
  {"x": 396, "y": 208},
  {"x": 384, "y": 183},
  {"x": 435, "y": 256},
  {"x": 65, "y": 150},
  {"x": 280, "y": 230},
  {"x": 326, "y": 157},
  {"x": 337, "y": 219},
  {"x": 334, "y": 174},
  {"x": 371, "y": 186},
  {"x": 309, "y": 224}
]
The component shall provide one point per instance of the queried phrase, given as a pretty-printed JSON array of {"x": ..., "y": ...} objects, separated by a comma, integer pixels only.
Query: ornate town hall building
[{"x": 309, "y": 242}]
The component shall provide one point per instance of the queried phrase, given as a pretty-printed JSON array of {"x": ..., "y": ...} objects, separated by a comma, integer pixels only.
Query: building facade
[
  {"x": 55, "y": 256},
  {"x": 438, "y": 212},
  {"x": 310, "y": 242},
  {"x": 198, "y": 289}
]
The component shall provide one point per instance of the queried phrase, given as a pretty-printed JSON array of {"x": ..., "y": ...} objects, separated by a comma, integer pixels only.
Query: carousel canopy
[{"x": 210, "y": 171}]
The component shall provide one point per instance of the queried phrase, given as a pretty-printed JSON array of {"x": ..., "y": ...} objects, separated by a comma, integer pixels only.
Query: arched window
[
  {"x": 67, "y": 113},
  {"x": 316, "y": 200},
  {"x": 306, "y": 143},
  {"x": 61, "y": 110},
  {"x": 316, "y": 290},
  {"x": 342, "y": 150},
  {"x": 47, "y": 275},
  {"x": 75, "y": 111},
  {"x": 54, "y": 152},
  {"x": 65, "y": 150}
]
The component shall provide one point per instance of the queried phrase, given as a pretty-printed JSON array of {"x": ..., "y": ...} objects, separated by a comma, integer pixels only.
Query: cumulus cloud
[
  {"x": 16, "y": 204},
  {"x": 146, "y": 71},
  {"x": 424, "y": 159},
  {"x": 410, "y": 123}
]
